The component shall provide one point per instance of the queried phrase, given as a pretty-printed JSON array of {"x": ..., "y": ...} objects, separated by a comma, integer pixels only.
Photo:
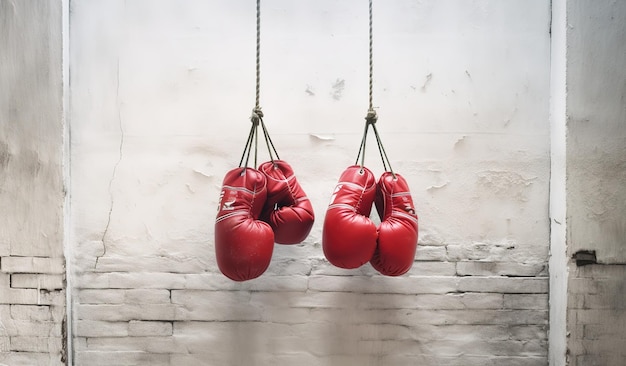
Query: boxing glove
[
  {"x": 349, "y": 236},
  {"x": 398, "y": 230},
  {"x": 243, "y": 243},
  {"x": 287, "y": 208}
]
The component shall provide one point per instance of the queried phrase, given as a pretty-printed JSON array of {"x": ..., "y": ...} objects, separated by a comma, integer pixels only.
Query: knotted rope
[
  {"x": 257, "y": 115},
  {"x": 371, "y": 117}
]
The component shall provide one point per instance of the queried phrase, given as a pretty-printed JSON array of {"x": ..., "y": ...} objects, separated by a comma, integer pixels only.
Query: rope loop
[
  {"x": 371, "y": 117},
  {"x": 257, "y": 115}
]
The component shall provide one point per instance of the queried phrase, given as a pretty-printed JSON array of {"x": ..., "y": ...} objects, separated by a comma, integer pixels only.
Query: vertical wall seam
[
  {"x": 557, "y": 338},
  {"x": 67, "y": 166}
]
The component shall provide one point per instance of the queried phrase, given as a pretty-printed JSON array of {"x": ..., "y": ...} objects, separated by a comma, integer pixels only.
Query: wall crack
[{"x": 115, "y": 167}]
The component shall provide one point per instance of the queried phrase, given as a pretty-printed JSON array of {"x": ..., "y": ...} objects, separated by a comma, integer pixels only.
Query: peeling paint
[
  {"x": 322, "y": 137},
  {"x": 429, "y": 77},
  {"x": 505, "y": 184},
  {"x": 309, "y": 91},
  {"x": 337, "y": 89}
]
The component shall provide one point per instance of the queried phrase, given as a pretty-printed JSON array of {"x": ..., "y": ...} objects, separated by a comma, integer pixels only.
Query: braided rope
[
  {"x": 371, "y": 118},
  {"x": 258, "y": 54},
  {"x": 371, "y": 49}
]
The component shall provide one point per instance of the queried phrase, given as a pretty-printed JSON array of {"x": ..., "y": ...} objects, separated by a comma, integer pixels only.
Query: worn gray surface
[{"x": 32, "y": 267}]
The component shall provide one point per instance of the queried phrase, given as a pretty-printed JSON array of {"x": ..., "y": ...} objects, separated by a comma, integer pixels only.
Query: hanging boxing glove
[
  {"x": 349, "y": 236},
  {"x": 398, "y": 230},
  {"x": 243, "y": 244},
  {"x": 287, "y": 208}
]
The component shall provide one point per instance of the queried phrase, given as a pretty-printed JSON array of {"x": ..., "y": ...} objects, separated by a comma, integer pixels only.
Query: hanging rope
[
  {"x": 371, "y": 117},
  {"x": 257, "y": 115},
  {"x": 257, "y": 106},
  {"x": 371, "y": 108}
]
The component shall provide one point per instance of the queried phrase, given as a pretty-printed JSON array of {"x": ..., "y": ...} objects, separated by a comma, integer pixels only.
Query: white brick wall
[
  {"x": 161, "y": 96},
  {"x": 316, "y": 319},
  {"x": 596, "y": 315}
]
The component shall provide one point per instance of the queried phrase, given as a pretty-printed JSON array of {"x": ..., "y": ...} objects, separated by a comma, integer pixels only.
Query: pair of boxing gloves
[
  {"x": 260, "y": 207},
  {"x": 257, "y": 208},
  {"x": 350, "y": 238}
]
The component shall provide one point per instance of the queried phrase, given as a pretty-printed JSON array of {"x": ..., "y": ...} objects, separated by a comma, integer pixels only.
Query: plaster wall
[
  {"x": 596, "y": 129},
  {"x": 161, "y": 93},
  {"x": 596, "y": 171},
  {"x": 32, "y": 267}
]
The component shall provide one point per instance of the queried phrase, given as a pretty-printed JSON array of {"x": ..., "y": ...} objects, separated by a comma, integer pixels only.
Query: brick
[
  {"x": 263, "y": 283},
  {"x": 491, "y": 252},
  {"x": 582, "y": 286},
  {"x": 125, "y": 312},
  {"x": 101, "y": 296},
  {"x": 152, "y": 328},
  {"x": 147, "y": 296},
  {"x": 324, "y": 268},
  {"x": 287, "y": 266},
  {"x": 36, "y": 344},
  {"x": 31, "y": 312},
  {"x": 435, "y": 268},
  {"x": 601, "y": 316},
  {"x": 513, "y": 269},
  {"x": 31, "y": 359},
  {"x": 575, "y": 301},
  {"x": 135, "y": 280},
  {"x": 38, "y": 281},
  {"x": 145, "y": 344},
  {"x": 603, "y": 331},
  {"x": 116, "y": 263},
  {"x": 503, "y": 284},
  {"x": 32, "y": 328},
  {"x": 95, "y": 328},
  {"x": 121, "y": 358},
  {"x": 33, "y": 265},
  {"x": 380, "y": 284},
  {"x": 18, "y": 296},
  {"x": 431, "y": 253},
  {"x": 610, "y": 299},
  {"x": 526, "y": 301},
  {"x": 470, "y": 301},
  {"x": 592, "y": 360},
  {"x": 210, "y": 305}
]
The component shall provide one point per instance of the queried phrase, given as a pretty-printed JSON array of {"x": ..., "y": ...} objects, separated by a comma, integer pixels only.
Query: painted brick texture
[
  {"x": 159, "y": 113},
  {"x": 596, "y": 316},
  {"x": 311, "y": 320}
]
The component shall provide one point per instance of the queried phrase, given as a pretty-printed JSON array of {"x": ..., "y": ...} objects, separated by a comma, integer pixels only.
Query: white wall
[
  {"x": 161, "y": 93},
  {"x": 32, "y": 267},
  {"x": 596, "y": 171},
  {"x": 597, "y": 129}
]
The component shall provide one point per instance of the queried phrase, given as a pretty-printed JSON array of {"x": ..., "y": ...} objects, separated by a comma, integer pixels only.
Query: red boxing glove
[
  {"x": 398, "y": 230},
  {"x": 243, "y": 244},
  {"x": 349, "y": 236},
  {"x": 287, "y": 209}
]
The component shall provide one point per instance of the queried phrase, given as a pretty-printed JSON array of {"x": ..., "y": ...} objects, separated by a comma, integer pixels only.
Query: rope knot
[
  {"x": 256, "y": 116},
  {"x": 371, "y": 117}
]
